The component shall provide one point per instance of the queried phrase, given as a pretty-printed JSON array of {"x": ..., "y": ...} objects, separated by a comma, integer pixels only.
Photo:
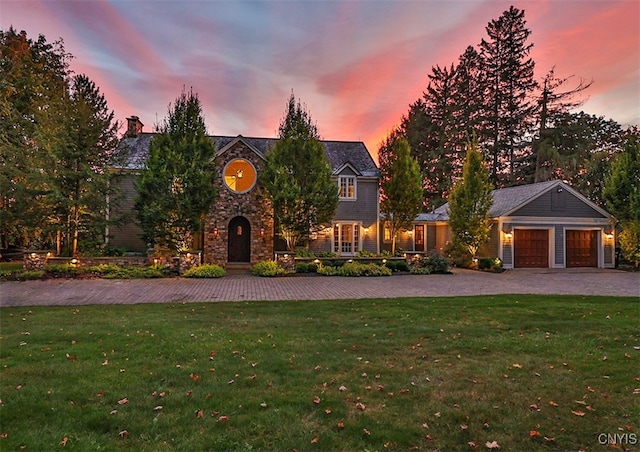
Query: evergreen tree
[
  {"x": 176, "y": 187},
  {"x": 82, "y": 149},
  {"x": 469, "y": 204},
  {"x": 508, "y": 73},
  {"x": 401, "y": 184},
  {"x": 297, "y": 178}
]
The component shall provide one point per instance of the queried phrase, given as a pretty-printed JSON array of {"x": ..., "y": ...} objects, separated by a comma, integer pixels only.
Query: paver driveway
[{"x": 247, "y": 287}]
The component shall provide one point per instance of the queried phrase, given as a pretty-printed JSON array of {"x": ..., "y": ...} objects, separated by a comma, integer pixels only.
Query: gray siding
[
  {"x": 364, "y": 208},
  {"x": 127, "y": 233},
  {"x": 553, "y": 204},
  {"x": 492, "y": 248}
]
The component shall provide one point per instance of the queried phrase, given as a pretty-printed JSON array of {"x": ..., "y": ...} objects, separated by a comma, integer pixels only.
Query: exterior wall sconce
[
  {"x": 609, "y": 236},
  {"x": 216, "y": 232},
  {"x": 366, "y": 230},
  {"x": 410, "y": 232},
  {"x": 261, "y": 232},
  {"x": 508, "y": 235}
]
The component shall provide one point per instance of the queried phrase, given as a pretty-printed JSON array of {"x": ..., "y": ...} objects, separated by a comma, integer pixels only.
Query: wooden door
[
  {"x": 239, "y": 240},
  {"x": 531, "y": 248},
  {"x": 582, "y": 248}
]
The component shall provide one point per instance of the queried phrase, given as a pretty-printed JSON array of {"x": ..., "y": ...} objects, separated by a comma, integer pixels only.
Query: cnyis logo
[{"x": 618, "y": 438}]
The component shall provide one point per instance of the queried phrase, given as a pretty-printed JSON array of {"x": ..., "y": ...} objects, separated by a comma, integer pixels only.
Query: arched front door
[{"x": 239, "y": 240}]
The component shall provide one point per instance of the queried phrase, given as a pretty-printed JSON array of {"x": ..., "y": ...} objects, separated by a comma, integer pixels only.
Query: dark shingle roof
[
  {"x": 134, "y": 151},
  {"x": 506, "y": 200}
]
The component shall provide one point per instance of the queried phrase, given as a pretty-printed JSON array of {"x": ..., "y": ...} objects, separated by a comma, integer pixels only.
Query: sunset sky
[{"x": 357, "y": 65}]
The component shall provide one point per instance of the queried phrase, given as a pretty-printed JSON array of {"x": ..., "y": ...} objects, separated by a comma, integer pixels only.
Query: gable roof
[
  {"x": 508, "y": 200},
  {"x": 134, "y": 151}
]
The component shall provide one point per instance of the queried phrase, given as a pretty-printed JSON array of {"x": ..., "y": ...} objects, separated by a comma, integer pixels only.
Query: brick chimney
[{"x": 134, "y": 127}]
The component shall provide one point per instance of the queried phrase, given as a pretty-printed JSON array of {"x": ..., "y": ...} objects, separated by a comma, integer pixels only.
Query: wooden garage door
[
  {"x": 531, "y": 248},
  {"x": 582, "y": 248}
]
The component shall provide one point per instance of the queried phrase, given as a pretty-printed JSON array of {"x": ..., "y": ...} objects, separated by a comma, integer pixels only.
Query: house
[
  {"x": 544, "y": 225},
  {"x": 239, "y": 227}
]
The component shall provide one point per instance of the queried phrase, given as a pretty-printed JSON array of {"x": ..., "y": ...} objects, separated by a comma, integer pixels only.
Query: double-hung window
[{"x": 347, "y": 187}]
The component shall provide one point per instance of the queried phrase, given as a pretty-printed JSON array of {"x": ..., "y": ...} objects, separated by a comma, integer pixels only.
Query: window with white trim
[
  {"x": 346, "y": 238},
  {"x": 347, "y": 187}
]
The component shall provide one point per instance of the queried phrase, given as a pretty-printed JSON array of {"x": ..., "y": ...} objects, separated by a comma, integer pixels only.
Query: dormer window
[{"x": 347, "y": 187}]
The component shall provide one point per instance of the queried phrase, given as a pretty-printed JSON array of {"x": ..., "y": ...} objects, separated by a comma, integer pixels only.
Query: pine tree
[
  {"x": 469, "y": 204},
  {"x": 297, "y": 178},
  {"x": 401, "y": 184},
  {"x": 176, "y": 186},
  {"x": 508, "y": 71}
]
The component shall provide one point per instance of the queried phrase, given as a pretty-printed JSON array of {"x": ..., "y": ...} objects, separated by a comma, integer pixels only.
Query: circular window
[{"x": 239, "y": 175}]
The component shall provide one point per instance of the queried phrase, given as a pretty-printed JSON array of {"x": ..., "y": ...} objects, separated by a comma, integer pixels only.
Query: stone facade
[{"x": 229, "y": 205}]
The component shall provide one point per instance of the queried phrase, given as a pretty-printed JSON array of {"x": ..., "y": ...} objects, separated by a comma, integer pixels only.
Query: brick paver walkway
[{"x": 247, "y": 287}]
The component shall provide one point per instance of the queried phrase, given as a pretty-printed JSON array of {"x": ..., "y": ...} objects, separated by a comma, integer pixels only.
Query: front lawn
[{"x": 518, "y": 372}]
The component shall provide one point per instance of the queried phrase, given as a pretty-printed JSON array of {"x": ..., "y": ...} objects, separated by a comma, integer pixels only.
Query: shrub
[
  {"x": 398, "y": 266},
  {"x": 433, "y": 263},
  {"x": 304, "y": 252},
  {"x": 355, "y": 269},
  {"x": 365, "y": 253},
  {"x": 29, "y": 275},
  {"x": 267, "y": 268},
  {"x": 302, "y": 267},
  {"x": 329, "y": 254},
  {"x": 205, "y": 271},
  {"x": 110, "y": 271},
  {"x": 338, "y": 263},
  {"x": 420, "y": 271},
  {"x": 312, "y": 267},
  {"x": 485, "y": 263}
]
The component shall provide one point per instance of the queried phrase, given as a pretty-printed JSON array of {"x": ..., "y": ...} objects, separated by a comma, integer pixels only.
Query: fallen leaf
[
  {"x": 517, "y": 366},
  {"x": 263, "y": 405},
  {"x": 316, "y": 400},
  {"x": 4, "y": 435},
  {"x": 492, "y": 445},
  {"x": 327, "y": 411},
  {"x": 340, "y": 425},
  {"x": 548, "y": 439},
  {"x": 464, "y": 427},
  {"x": 123, "y": 433},
  {"x": 360, "y": 406},
  {"x": 342, "y": 388},
  {"x": 552, "y": 403},
  {"x": 123, "y": 401},
  {"x": 199, "y": 413},
  {"x": 366, "y": 432},
  {"x": 578, "y": 413},
  {"x": 195, "y": 377},
  {"x": 113, "y": 412},
  {"x": 223, "y": 418},
  {"x": 64, "y": 441},
  {"x": 472, "y": 444},
  {"x": 315, "y": 440},
  {"x": 158, "y": 408},
  {"x": 534, "y": 434},
  {"x": 404, "y": 391}
]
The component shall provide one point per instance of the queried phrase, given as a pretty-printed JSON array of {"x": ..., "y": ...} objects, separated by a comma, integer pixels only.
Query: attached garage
[
  {"x": 582, "y": 248},
  {"x": 531, "y": 248}
]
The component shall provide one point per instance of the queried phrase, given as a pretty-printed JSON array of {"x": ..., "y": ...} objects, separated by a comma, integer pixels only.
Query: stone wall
[
  {"x": 123, "y": 261},
  {"x": 251, "y": 205}
]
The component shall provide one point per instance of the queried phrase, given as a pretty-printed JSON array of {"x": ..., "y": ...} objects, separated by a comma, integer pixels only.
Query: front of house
[
  {"x": 543, "y": 225},
  {"x": 239, "y": 227}
]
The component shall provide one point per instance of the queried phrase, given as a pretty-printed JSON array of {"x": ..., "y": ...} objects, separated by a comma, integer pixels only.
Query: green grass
[{"x": 432, "y": 374}]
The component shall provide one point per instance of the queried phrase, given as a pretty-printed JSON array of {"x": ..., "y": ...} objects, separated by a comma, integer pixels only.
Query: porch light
[
  {"x": 410, "y": 232},
  {"x": 610, "y": 236},
  {"x": 508, "y": 234},
  {"x": 261, "y": 232},
  {"x": 366, "y": 230},
  {"x": 216, "y": 232}
]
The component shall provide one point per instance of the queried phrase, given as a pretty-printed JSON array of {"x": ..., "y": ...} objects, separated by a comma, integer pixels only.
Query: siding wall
[
  {"x": 554, "y": 204},
  {"x": 128, "y": 234}
]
